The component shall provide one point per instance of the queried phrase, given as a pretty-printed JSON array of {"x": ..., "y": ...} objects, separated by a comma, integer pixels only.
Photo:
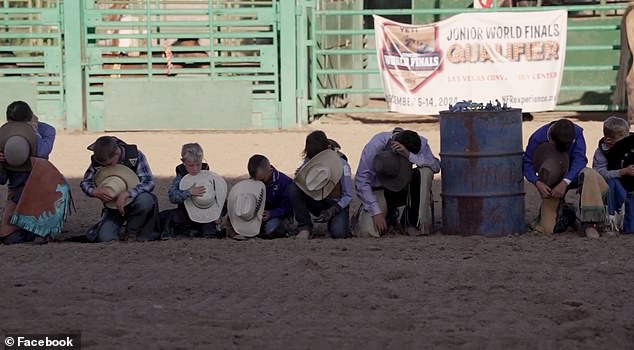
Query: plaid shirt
[
  {"x": 175, "y": 194},
  {"x": 143, "y": 172}
]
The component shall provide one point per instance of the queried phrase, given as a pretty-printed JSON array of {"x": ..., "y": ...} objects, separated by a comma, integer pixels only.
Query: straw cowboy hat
[
  {"x": 393, "y": 170},
  {"x": 246, "y": 207},
  {"x": 320, "y": 175},
  {"x": 208, "y": 207},
  {"x": 17, "y": 142},
  {"x": 115, "y": 179}
]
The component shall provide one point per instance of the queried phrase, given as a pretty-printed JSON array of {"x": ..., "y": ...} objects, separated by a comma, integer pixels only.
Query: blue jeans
[
  {"x": 303, "y": 206},
  {"x": 274, "y": 228},
  {"x": 617, "y": 196},
  {"x": 141, "y": 216}
]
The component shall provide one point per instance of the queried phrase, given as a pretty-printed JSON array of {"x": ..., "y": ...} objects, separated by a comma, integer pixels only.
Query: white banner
[{"x": 514, "y": 57}]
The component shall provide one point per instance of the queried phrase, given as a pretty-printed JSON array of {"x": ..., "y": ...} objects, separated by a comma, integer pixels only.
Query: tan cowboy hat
[
  {"x": 208, "y": 207},
  {"x": 320, "y": 175},
  {"x": 17, "y": 142},
  {"x": 393, "y": 170},
  {"x": 246, "y": 207},
  {"x": 115, "y": 179}
]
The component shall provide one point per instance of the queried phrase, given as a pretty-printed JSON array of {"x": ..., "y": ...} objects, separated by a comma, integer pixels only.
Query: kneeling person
[
  {"x": 200, "y": 195},
  {"x": 555, "y": 162},
  {"x": 277, "y": 207},
  {"x": 386, "y": 181},
  {"x": 120, "y": 176},
  {"x": 322, "y": 187}
]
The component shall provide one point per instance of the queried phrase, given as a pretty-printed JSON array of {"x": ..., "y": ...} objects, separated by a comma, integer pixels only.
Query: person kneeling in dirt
[
  {"x": 277, "y": 208},
  {"x": 200, "y": 195},
  {"x": 120, "y": 176},
  {"x": 613, "y": 160},
  {"x": 322, "y": 187},
  {"x": 24, "y": 141},
  {"x": 385, "y": 181},
  {"x": 555, "y": 162}
]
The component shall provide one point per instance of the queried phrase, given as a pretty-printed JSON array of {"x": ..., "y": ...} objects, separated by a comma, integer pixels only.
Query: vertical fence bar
[
  {"x": 148, "y": 36},
  {"x": 313, "y": 40},
  {"x": 73, "y": 65},
  {"x": 287, "y": 46},
  {"x": 302, "y": 62}
]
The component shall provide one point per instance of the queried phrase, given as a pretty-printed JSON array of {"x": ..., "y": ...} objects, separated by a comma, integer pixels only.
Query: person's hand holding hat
[
  {"x": 627, "y": 171},
  {"x": 101, "y": 194},
  {"x": 2, "y": 159},
  {"x": 196, "y": 191},
  {"x": 543, "y": 189},
  {"x": 559, "y": 191}
]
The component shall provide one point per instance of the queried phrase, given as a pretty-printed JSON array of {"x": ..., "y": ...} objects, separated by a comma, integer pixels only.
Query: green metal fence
[
  {"x": 175, "y": 46},
  {"x": 237, "y": 64},
  {"x": 31, "y": 65},
  {"x": 343, "y": 77}
]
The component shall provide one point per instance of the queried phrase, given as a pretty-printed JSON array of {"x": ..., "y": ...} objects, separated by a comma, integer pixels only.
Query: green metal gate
[
  {"x": 208, "y": 64},
  {"x": 342, "y": 74},
  {"x": 31, "y": 66}
]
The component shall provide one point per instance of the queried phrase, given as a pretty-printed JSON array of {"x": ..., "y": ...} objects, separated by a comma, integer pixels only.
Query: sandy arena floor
[{"x": 530, "y": 291}]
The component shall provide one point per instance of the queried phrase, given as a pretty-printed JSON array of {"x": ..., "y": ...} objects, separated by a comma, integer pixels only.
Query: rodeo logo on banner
[{"x": 516, "y": 58}]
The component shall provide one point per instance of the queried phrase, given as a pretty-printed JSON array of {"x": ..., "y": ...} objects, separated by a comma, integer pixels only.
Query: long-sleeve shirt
[
  {"x": 278, "y": 203},
  {"x": 175, "y": 194},
  {"x": 576, "y": 154},
  {"x": 346, "y": 185},
  {"x": 366, "y": 178},
  {"x": 143, "y": 171},
  {"x": 45, "y": 138},
  {"x": 600, "y": 163}
]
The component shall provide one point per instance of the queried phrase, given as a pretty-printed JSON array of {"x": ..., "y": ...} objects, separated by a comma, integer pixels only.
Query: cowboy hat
[
  {"x": 246, "y": 207},
  {"x": 115, "y": 179},
  {"x": 320, "y": 175},
  {"x": 551, "y": 164},
  {"x": 392, "y": 169},
  {"x": 17, "y": 142},
  {"x": 207, "y": 207}
]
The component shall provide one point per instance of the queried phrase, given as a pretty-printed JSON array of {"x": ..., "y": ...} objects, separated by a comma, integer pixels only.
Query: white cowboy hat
[
  {"x": 115, "y": 179},
  {"x": 246, "y": 207},
  {"x": 17, "y": 142},
  {"x": 208, "y": 207},
  {"x": 320, "y": 175}
]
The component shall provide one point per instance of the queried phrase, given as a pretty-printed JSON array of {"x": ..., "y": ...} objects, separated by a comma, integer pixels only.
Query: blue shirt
[
  {"x": 576, "y": 153},
  {"x": 346, "y": 185},
  {"x": 277, "y": 202}
]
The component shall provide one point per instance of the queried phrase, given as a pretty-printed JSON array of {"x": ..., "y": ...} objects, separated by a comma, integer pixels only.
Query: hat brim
[
  {"x": 399, "y": 182},
  {"x": 247, "y": 228},
  {"x": 330, "y": 159},
  {"x": 121, "y": 171},
  {"x": 204, "y": 215},
  {"x": 25, "y": 130}
]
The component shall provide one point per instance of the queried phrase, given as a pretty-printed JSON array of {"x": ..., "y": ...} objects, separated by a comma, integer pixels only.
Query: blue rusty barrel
[{"x": 482, "y": 181}]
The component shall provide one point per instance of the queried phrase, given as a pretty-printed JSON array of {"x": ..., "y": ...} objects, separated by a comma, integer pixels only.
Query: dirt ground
[{"x": 528, "y": 291}]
